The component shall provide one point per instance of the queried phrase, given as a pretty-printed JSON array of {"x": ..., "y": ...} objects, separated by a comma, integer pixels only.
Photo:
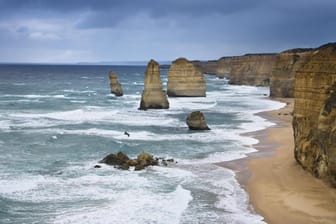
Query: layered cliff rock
[
  {"x": 283, "y": 74},
  {"x": 153, "y": 96},
  {"x": 251, "y": 69},
  {"x": 116, "y": 88},
  {"x": 314, "y": 118},
  {"x": 185, "y": 79}
]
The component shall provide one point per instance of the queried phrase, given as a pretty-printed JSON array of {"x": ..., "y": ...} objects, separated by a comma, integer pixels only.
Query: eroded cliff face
[
  {"x": 153, "y": 96},
  {"x": 249, "y": 69},
  {"x": 314, "y": 117},
  {"x": 252, "y": 69},
  {"x": 185, "y": 79},
  {"x": 283, "y": 72}
]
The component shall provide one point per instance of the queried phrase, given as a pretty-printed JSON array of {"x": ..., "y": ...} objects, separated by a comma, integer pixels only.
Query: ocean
[{"x": 58, "y": 121}]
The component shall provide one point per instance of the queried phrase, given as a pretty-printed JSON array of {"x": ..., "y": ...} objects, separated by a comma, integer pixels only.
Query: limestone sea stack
[
  {"x": 185, "y": 80},
  {"x": 196, "y": 121},
  {"x": 153, "y": 96},
  {"x": 314, "y": 116},
  {"x": 116, "y": 88}
]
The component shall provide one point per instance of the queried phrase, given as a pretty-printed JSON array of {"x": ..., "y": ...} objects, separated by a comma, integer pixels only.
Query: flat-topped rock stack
[
  {"x": 116, "y": 88},
  {"x": 185, "y": 80},
  {"x": 153, "y": 96},
  {"x": 314, "y": 117}
]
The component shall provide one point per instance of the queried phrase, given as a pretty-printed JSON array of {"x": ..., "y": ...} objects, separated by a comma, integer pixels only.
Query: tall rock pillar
[
  {"x": 116, "y": 88},
  {"x": 153, "y": 96}
]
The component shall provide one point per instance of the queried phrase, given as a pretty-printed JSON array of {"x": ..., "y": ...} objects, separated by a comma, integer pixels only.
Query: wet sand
[{"x": 279, "y": 189}]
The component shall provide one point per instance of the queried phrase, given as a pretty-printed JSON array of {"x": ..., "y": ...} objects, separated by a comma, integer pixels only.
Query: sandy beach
[{"x": 279, "y": 189}]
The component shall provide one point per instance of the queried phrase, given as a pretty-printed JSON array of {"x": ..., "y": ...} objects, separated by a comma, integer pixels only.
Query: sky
[{"x": 71, "y": 31}]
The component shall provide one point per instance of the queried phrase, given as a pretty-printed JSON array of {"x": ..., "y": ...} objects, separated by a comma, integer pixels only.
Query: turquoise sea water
[{"x": 57, "y": 121}]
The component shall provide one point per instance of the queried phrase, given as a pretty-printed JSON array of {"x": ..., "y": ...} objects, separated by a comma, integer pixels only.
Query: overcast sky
[{"x": 70, "y": 31}]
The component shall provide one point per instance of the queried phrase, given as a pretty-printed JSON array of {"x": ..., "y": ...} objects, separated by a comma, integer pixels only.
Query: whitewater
[{"x": 58, "y": 121}]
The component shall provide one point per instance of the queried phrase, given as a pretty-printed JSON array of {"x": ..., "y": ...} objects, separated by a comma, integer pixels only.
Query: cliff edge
[
  {"x": 283, "y": 72},
  {"x": 314, "y": 117}
]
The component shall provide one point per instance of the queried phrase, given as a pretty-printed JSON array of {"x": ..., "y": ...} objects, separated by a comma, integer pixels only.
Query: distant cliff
[
  {"x": 283, "y": 72},
  {"x": 274, "y": 70},
  {"x": 314, "y": 117},
  {"x": 249, "y": 69}
]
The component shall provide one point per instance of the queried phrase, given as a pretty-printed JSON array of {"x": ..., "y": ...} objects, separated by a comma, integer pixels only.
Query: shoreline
[{"x": 278, "y": 188}]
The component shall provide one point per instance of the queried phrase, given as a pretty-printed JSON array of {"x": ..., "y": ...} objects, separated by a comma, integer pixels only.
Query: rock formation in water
[
  {"x": 185, "y": 79},
  {"x": 196, "y": 121},
  {"x": 143, "y": 160},
  {"x": 116, "y": 88},
  {"x": 122, "y": 161},
  {"x": 314, "y": 117},
  {"x": 153, "y": 96},
  {"x": 283, "y": 73}
]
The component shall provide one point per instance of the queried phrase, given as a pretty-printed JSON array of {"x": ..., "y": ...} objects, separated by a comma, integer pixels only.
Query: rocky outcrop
[
  {"x": 283, "y": 74},
  {"x": 116, "y": 88},
  {"x": 196, "y": 121},
  {"x": 122, "y": 161},
  {"x": 153, "y": 96},
  {"x": 185, "y": 79},
  {"x": 314, "y": 117},
  {"x": 143, "y": 160}
]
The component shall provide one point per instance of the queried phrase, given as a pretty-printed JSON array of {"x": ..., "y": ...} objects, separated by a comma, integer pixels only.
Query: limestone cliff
[
  {"x": 185, "y": 79},
  {"x": 153, "y": 97},
  {"x": 282, "y": 77},
  {"x": 314, "y": 118},
  {"x": 116, "y": 88},
  {"x": 249, "y": 69}
]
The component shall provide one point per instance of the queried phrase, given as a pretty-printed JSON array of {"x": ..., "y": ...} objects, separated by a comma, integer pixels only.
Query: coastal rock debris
[{"x": 143, "y": 160}]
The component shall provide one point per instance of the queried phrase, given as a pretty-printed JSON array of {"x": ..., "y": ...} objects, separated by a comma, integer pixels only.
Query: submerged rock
[
  {"x": 116, "y": 88},
  {"x": 196, "y": 121},
  {"x": 153, "y": 96}
]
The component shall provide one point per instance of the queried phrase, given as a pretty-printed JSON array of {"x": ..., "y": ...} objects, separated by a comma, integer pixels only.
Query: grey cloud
[
  {"x": 105, "y": 13},
  {"x": 166, "y": 28}
]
